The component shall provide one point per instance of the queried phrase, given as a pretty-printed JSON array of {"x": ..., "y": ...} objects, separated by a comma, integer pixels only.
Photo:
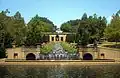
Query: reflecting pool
[{"x": 60, "y": 71}]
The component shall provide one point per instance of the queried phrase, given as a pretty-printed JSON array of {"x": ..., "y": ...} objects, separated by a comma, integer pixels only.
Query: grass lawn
[{"x": 110, "y": 45}]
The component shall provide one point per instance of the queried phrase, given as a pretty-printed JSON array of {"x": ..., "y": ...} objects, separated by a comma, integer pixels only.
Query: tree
[
  {"x": 83, "y": 34},
  {"x": 34, "y": 34},
  {"x": 70, "y": 38},
  {"x": 66, "y": 27},
  {"x": 3, "y": 33},
  {"x": 36, "y": 28},
  {"x": 42, "y": 22},
  {"x": 96, "y": 27},
  {"x": 90, "y": 29},
  {"x": 19, "y": 30},
  {"x": 113, "y": 29},
  {"x": 84, "y": 17},
  {"x": 70, "y": 26},
  {"x": 12, "y": 28}
]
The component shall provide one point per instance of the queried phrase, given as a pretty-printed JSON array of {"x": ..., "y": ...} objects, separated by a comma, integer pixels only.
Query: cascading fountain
[{"x": 58, "y": 53}]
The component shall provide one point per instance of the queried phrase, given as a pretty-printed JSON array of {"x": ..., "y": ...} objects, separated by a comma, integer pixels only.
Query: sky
[{"x": 60, "y": 11}]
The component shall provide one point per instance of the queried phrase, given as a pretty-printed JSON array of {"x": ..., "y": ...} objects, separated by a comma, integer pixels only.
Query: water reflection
[{"x": 108, "y": 71}]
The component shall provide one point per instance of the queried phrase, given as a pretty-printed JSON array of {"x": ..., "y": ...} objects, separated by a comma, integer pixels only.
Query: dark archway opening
[
  {"x": 30, "y": 56},
  {"x": 87, "y": 56}
]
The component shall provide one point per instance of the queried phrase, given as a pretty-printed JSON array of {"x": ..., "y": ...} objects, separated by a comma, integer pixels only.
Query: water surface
[{"x": 61, "y": 71}]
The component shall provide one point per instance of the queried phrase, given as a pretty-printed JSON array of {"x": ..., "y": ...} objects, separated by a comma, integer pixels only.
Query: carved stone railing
[
  {"x": 31, "y": 49},
  {"x": 88, "y": 49}
]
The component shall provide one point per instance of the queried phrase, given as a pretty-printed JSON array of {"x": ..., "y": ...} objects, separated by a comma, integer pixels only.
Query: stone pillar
[
  {"x": 80, "y": 53},
  {"x": 59, "y": 38},
  {"x": 98, "y": 51},
  {"x": 95, "y": 55},
  {"x": 64, "y": 38}
]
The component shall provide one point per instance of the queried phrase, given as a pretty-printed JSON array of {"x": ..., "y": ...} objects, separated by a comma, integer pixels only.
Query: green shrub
[
  {"x": 68, "y": 47},
  {"x": 47, "y": 48}
]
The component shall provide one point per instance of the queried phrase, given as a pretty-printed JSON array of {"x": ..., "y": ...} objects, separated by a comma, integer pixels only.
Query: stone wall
[
  {"x": 110, "y": 53},
  {"x": 21, "y": 52},
  {"x": 15, "y": 53},
  {"x": 101, "y": 53}
]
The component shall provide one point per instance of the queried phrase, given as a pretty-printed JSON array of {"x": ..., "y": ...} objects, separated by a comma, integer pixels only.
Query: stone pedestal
[{"x": 80, "y": 53}]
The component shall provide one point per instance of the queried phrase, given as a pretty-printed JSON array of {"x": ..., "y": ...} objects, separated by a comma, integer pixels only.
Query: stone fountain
[{"x": 58, "y": 53}]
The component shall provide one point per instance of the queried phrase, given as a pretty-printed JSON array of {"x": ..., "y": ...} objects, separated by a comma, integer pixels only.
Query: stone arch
[
  {"x": 87, "y": 56},
  {"x": 30, "y": 56}
]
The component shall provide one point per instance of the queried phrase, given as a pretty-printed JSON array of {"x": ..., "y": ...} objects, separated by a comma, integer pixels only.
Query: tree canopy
[
  {"x": 70, "y": 26},
  {"x": 112, "y": 31},
  {"x": 14, "y": 30},
  {"x": 35, "y": 29},
  {"x": 91, "y": 28},
  {"x": 87, "y": 28}
]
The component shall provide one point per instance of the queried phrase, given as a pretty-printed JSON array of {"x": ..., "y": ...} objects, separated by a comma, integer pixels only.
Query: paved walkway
[{"x": 69, "y": 62}]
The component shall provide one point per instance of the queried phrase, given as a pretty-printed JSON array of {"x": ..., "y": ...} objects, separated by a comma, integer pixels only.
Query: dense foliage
[
  {"x": 112, "y": 31},
  {"x": 47, "y": 48},
  {"x": 14, "y": 30},
  {"x": 70, "y": 26},
  {"x": 11, "y": 29},
  {"x": 87, "y": 29},
  {"x": 36, "y": 28},
  {"x": 42, "y": 23},
  {"x": 70, "y": 38},
  {"x": 69, "y": 47},
  {"x": 90, "y": 29}
]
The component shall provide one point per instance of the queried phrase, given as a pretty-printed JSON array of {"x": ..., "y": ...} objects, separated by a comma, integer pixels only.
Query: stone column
[
  {"x": 80, "y": 53},
  {"x": 64, "y": 38},
  {"x": 59, "y": 38},
  {"x": 95, "y": 55},
  {"x": 50, "y": 38}
]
